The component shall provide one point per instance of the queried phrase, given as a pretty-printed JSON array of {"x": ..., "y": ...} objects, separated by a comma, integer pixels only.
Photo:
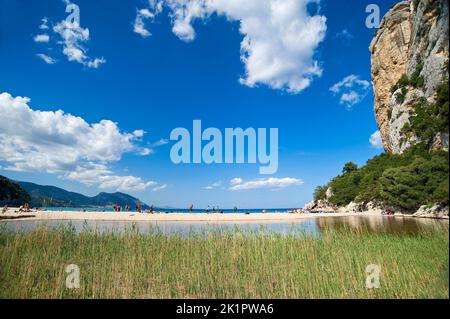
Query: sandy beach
[{"x": 200, "y": 217}]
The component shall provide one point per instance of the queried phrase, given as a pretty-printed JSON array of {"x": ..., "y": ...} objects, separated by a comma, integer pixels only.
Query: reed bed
[{"x": 223, "y": 264}]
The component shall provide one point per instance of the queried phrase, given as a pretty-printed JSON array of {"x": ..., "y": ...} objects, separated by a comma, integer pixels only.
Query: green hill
[
  {"x": 17, "y": 193},
  {"x": 11, "y": 193}
]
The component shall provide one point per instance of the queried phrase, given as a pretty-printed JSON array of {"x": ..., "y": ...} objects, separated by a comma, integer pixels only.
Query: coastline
[{"x": 38, "y": 215}]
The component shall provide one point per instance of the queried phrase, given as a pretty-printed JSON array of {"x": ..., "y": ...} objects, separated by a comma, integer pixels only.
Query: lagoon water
[{"x": 309, "y": 226}]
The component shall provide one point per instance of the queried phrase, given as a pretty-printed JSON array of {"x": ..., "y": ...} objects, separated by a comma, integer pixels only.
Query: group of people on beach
[
  {"x": 25, "y": 208},
  {"x": 138, "y": 208},
  {"x": 127, "y": 208},
  {"x": 213, "y": 209}
]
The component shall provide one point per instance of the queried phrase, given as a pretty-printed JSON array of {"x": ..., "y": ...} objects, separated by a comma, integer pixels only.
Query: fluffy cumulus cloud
[
  {"x": 56, "y": 142},
  {"x": 71, "y": 37},
  {"x": 272, "y": 183},
  {"x": 351, "y": 90},
  {"x": 280, "y": 36},
  {"x": 375, "y": 140},
  {"x": 101, "y": 176}
]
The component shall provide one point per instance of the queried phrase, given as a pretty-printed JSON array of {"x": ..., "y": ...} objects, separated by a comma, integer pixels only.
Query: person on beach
[
  {"x": 191, "y": 208},
  {"x": 24, "y": 208},
  {"x": 4, "y": 209}
]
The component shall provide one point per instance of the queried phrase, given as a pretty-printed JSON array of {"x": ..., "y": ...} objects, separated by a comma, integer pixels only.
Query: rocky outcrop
[
  {"x": 412, "y": 41},
  {"x": 435, "y": 211},
  {"x": 320, "y": 206}
]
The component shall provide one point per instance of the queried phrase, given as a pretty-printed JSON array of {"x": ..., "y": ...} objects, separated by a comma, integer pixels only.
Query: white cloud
[
  {"x": 101, "y": 176},
  {"x": 159, "y": 188},
  {"x": 47, "y": 59},
  {"x": 160, "y": 142},
  {"x": 375, "y": 140},
  {"x": 43, "y": 38},
  {"x": 44, "y": 24},
  {"x": 56, "y": 142},
  {"x": 213, "y": 185},
  {"x": 73, "y": 39},
  {"x": 350, "y": 98},
  {"x": 95, "y": 63},
  {"x": 141, "y": 16},
  {"x": 352, "y": 90},
  {"x": 236, "y": 180},
  {"x": 267, "y": 183},
  {"x": 280, "y": 37}
]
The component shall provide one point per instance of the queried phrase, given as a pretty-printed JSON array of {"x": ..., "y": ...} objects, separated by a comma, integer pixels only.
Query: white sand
[{"x": 200, "y": 217}]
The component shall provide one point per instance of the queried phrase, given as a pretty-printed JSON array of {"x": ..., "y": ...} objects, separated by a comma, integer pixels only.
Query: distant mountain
[
  {"x": 11, "y": 193},
  {"x": 51, "y": 196}
]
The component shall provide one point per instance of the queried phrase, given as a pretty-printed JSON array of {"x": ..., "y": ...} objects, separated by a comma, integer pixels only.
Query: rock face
[
  {"x": 435, "y": 211},
  {"x": 411, "y": 32}
]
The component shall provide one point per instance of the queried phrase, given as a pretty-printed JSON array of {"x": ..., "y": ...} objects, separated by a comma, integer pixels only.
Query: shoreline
[{"x": 36, "y": 215}]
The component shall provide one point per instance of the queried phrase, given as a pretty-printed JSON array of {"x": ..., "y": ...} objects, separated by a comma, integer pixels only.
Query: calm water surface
[{"x": 312, "y": 226}]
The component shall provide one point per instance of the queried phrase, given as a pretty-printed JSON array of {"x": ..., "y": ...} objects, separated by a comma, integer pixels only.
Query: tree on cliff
[{"x": 349, "y": 167}]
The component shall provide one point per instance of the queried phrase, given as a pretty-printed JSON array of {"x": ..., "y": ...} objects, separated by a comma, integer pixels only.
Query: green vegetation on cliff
[
  {"x": 419, "y": 176},
  {"x": 429, "y": 119},
  {"x": 406, "y": 181}
]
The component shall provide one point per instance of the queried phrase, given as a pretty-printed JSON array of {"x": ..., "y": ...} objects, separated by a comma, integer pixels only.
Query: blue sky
[{"x": 162, "y": 81}]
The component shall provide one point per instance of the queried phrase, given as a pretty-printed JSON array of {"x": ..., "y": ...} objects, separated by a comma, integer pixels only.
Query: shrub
[
  {"x": 349, "y": 167},
  {"x": 320, "y": 193},
  {"x": 416, "y": 79},
  {"x": 407, "y": 180},
  {"x": 427, "y": 119},
  {"x": 345, "y": 188},
  {"x": 416, "y": 184},
  {"x": 403, "y": 82}
]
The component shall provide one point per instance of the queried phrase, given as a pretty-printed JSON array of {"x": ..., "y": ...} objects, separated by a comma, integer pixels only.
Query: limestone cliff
[{"x": 412, "y": 42}]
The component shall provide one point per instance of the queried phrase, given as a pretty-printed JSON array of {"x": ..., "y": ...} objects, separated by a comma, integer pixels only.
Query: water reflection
[
  {"x": 312, "y": 226},
  {"x": 388, "y": 224}
]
